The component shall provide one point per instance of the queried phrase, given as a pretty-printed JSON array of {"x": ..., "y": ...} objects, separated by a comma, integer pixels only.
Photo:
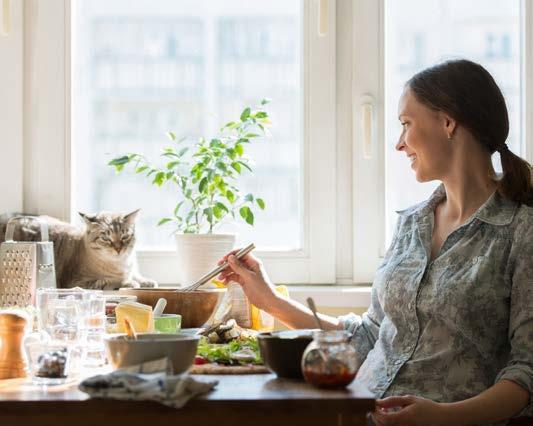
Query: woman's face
[{"x": 424, "y": 138}]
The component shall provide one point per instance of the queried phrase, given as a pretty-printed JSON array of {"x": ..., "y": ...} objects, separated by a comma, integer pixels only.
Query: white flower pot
[{"x": 199, "y": 253}]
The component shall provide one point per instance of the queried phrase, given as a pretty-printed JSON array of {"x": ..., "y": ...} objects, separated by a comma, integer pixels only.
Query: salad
[{"x": 228, "y": 344}]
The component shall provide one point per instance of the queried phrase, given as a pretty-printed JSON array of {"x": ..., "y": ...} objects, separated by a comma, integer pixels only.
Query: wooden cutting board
[{"x": 228, "y": 369}]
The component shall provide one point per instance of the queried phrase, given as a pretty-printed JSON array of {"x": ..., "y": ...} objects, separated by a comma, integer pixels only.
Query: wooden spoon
[{"x": 130, "y": 330}]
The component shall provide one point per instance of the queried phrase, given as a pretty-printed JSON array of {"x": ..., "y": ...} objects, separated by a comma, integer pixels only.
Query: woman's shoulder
[{"x": 523, "y": 224}]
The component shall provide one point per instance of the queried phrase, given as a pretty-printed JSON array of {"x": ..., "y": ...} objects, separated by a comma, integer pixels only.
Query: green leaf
[
  {"x": 217, "y": 212},
  {"x": 221, "y": 166},
  {"x": 159, "y": 178},
  {"x": 239, "y": 149},
  {"x": 230, "y": 196},
  {"x": 236, "y": 166},
  {"x": 172, "y": 164},
  {"x": 141, "y": 169},
  {"x": 222, "y": 206},
  {"x": 203, "y": 184},
  {"x": 245, "y": 114},
  {"x": 260, "y": 203},
  {"x": 176, "y": 209},
  {"x": 183, "y": 151},
  {"x": 245, "y": 165},
  {"x": 120, "y": 161},
  {"x": 244, "y": 211},
  {"x": 171, "y": 135},
  {"x": 261, "y": 114},
  {"x": 163, "y": 221},
  {"x": 251, "y": 135},
  {"x": 265, "y": 101},
  {"x": 230, "y": 124},
  {"x": 209, "y": 213},
  {"x": 249, "y": 197},
  {"x": 169, "y": 175},
  {"x": 231, "y": 153},
  {"x": 247, "y": 215}
]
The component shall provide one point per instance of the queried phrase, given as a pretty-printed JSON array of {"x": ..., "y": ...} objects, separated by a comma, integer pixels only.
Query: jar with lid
[{"x": 330, "y": 361}]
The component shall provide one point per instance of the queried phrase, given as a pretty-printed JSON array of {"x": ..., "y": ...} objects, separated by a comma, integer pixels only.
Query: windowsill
[{"x": 333, "y": 296}]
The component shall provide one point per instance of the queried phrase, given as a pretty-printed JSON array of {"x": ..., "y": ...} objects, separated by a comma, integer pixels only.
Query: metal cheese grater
[{"x": 25, "y": 266}]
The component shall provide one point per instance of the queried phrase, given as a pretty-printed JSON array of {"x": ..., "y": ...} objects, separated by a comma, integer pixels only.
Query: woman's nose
[{"x": 400, "y": 145}]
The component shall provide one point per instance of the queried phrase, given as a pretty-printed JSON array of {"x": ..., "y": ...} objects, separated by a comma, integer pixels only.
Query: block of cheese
[{"x": 139, "y": 315}]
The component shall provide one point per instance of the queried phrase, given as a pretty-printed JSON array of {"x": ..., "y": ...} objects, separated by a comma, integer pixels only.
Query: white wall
[{"x": 11, "y": 106}]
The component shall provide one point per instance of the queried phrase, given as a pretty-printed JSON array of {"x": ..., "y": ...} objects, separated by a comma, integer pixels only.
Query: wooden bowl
[{"x": 195, "y": 307}]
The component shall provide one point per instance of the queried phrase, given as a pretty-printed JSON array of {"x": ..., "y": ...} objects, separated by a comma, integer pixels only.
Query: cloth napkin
[{"x": 151, "y": 380}]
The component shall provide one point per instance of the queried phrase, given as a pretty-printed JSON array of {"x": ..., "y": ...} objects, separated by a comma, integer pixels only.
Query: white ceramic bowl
[{"x": 179, "y": 348}]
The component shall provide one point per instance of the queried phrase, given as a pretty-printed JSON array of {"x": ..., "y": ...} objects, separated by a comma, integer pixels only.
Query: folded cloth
[{"x": 151, "y": 380}]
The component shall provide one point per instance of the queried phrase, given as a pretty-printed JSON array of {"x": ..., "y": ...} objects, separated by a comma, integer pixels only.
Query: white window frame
[
  {"x": 345, "y": 191},
  {"x": 368, "y": 83},
  {"x": 48, "y": 177}
]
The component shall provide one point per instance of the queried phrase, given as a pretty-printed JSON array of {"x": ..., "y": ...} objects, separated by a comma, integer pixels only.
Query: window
[
  {"x": 415, "y": 34},
  {"x": 419, "y": 33},
  {"x": 144, "y": 68},
  {"x": 107, "y": 77}
]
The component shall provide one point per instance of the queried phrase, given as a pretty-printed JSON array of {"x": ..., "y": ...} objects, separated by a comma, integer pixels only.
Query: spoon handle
[{"x": 311, "y": 304}]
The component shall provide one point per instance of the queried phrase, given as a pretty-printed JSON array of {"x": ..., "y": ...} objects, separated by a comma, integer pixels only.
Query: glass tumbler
[{"x": 330, "y": 361}]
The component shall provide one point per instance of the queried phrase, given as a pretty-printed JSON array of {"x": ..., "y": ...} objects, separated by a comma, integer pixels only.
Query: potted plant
[{"x": 205, "y": 176}]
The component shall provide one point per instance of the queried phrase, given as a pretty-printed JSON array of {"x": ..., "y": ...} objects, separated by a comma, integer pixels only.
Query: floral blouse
[{"x": 449, "y": 329}]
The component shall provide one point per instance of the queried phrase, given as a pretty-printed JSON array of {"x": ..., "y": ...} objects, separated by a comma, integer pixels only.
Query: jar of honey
[{"x": 330, "y": 361}]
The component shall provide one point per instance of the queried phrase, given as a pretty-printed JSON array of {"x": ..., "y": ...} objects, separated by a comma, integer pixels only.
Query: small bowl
[
  {"x": 179, "y": 348},
  {"x": 282, "y": 351},
  {"x": 168, "y": 323}
]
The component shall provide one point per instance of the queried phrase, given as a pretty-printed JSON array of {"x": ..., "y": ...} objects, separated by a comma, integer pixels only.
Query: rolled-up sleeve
[
  {"x": 519, "y": 368},
  {"x": 365, "y": 329}
]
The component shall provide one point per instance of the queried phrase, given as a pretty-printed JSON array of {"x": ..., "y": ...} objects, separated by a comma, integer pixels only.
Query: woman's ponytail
[{"x": 516, "y": 181}]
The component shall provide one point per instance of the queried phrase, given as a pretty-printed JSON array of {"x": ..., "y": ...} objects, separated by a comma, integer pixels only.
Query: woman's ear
[{"x": 450, "y": 125}]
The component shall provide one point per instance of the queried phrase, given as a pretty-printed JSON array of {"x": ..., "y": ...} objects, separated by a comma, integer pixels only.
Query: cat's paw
[
  {"x": 147, "y": 283},
  {"x": 129, "y": 284}
]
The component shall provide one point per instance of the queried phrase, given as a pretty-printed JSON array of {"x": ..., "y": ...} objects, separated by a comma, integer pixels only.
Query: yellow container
[{"x": 261, "y": 320}]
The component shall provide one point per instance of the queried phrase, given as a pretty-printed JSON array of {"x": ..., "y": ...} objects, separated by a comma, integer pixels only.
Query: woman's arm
[
  {"x": 251, "y": 275},
  {"x": 501, "y": 401}
]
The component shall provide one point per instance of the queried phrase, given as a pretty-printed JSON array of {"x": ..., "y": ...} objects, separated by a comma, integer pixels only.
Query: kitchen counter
[{"x": 256, "y": 400}]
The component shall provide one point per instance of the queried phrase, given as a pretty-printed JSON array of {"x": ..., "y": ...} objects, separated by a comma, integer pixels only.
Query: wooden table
[{"x": 251, "y": 400}]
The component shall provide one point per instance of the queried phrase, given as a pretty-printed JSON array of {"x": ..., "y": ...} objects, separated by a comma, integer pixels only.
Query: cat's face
[{"x": 111, "y": 233}]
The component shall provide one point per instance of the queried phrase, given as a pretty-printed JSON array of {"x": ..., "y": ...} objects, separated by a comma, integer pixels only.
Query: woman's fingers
[
  {"x": 225, "y": 258},
  {"x": 233, "y": 277},
  {"x": 239, "y": 267},
  {"x": 395, "y": 401}
]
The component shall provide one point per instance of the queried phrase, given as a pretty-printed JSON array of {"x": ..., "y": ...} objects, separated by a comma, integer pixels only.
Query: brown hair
[{"x": 468, "y": 93}]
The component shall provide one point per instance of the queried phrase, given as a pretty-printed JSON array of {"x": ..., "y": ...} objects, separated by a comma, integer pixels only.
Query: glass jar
[
  {"x": 51, "y": 362},
  {"x": 330, "y": 361},
  {"x": 74, "y": 319}
]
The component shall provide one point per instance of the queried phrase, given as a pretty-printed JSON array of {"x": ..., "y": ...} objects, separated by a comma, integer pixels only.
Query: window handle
[
  {"x": 323, "y": 17},
  {"x": 5, "y": 22},
  {"x": 367, "y": 126}
]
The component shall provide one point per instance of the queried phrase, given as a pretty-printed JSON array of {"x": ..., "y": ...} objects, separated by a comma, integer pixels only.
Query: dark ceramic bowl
[{"x": 282, "y": 351}]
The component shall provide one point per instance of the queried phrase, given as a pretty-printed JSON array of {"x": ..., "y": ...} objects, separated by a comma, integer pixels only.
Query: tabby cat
[{"x": 101, "y": 256}]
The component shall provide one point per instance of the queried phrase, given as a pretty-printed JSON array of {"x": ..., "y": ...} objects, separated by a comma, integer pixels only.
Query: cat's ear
[
  {"x": 130, "y": 217},
  {"x": 88, "y": 219}
]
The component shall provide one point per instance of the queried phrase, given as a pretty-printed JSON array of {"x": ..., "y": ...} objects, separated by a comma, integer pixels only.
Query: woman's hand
[
  {"x": 407, "y": 411},
  {"x": 251, "y": 275}
]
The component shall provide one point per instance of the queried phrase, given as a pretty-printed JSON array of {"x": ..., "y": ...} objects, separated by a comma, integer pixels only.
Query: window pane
[
  {"x": 420, "y": 33},
  {"x": 142, "y": 68}
]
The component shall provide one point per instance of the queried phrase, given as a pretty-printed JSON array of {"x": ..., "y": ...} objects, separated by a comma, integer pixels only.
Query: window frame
[
  {"x": 368, "y": 173},
  {"x": 49, "y": 175},
  {"x": 344, "y": 240}
]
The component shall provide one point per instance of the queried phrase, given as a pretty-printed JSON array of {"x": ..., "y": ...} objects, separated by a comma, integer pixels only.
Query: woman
[{"x": 451, "y": 315}]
